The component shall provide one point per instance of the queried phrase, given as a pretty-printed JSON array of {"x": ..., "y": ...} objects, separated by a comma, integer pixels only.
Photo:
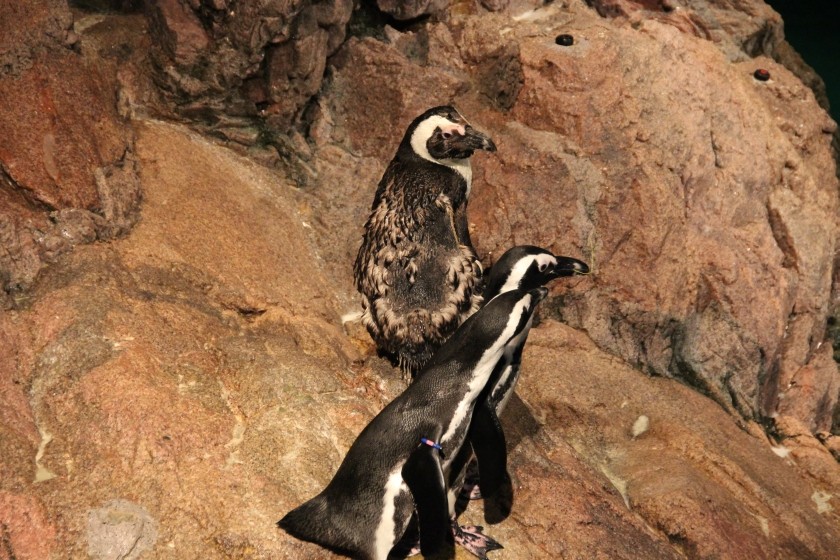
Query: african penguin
[
  {"x": 416, "y": 269},
  {"x": 395, "y": 472},
  {"x": 523, "y": 267}
]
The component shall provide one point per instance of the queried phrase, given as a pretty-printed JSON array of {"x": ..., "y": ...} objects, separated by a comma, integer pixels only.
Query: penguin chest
[{"x": 395, "y": 514}]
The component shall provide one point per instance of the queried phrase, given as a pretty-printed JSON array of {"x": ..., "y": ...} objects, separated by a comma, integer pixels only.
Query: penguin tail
[{"x": 312, "y": 522}]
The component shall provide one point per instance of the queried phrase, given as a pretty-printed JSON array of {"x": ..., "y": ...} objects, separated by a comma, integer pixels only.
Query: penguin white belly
[
  {"x": 504, "y": 388},
  {"x": 384, "y": 537},
  {"x": 463, "y": 167}
]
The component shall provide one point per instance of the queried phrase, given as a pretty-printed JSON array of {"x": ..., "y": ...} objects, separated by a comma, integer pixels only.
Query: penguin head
[
  {"x": 526, "y": 267},
  {"x": 442, "y": 134}
]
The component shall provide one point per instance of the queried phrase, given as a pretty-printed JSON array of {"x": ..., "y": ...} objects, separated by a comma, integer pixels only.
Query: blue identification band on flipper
[{"x": 430, "y": 443}]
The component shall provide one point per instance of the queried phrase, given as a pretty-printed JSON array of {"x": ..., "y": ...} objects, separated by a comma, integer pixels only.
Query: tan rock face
[{"x": 174, "y": 392}]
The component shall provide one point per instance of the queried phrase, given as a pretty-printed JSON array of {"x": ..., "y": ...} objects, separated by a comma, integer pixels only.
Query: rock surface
[
  {"x": 224, "y": 62},
  {"x": 67, "y": 168},
  {"x": 173, "y": 392},
  {"x": 719, "y": 270}
]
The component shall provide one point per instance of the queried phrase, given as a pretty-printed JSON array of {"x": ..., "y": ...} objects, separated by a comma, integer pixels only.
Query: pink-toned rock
[
  {"x": 67, "y": 171},
  {"x": 29, "y": 28},
  {"x": 179, "y": 30},
  {"x": 51, "y": 152},
  {"x": 26, "y": 532},
  {"x": 714, "y": 488}
]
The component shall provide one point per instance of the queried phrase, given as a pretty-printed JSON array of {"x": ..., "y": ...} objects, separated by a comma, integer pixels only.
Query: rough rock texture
[
  {"x": 226, "y": 62},
  {"x": 401, "y": 10},
  {"x": 30, "y": 28},
  {"x": 173, "y": 392},
  {"x": 67, "y": 169},
  {"x": 740, "y": 29}
]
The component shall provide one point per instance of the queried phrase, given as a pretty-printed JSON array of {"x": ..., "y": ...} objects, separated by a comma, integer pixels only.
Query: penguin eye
[
  {"x": 542, "y": 267},
  {"x": 446, "y": 135}
]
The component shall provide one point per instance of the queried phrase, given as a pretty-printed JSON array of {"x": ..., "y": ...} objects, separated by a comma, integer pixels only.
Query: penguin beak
[
  {"x": 476, "y": 140},
  {"x": 567, "y": 266}
]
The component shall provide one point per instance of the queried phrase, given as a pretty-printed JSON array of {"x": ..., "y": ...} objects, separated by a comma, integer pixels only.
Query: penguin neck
[
  {"x": 461, "y": 166},
  {"x": 511, "y": 281},
  {"x": 484, "y": 368}
]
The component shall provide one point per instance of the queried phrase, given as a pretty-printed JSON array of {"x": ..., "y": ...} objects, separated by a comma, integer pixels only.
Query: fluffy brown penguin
[{"x": 416, "y": 269}]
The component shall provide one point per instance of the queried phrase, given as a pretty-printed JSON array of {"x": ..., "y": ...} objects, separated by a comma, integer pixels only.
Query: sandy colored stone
[{"x": 711, "y": 486}]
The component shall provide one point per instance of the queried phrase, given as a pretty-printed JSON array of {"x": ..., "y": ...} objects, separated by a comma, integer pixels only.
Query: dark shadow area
[{"x": 812, "y": 27}]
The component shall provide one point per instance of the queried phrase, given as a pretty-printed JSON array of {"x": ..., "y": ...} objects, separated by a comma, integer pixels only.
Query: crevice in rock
[
  {"x": 782, "y": 237},
  {"x": 107, "y": 6},
  {"x": 367, "y": 21},
  {"x": 23, "y": 195},
  {"x": 250, "y": 311},
  {"x": 768, "y": 385}
]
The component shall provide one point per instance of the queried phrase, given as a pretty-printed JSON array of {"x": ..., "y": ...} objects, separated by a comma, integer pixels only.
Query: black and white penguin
[
  {"x": 523, "y": 267},
  {"x": 395, "y": 473},
  {"x": 416, "y": 269}
]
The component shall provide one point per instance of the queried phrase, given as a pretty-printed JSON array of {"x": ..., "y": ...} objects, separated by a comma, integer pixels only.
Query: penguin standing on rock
[
  {"x": 416, "y": 269},
  {"x": 524, "y": 267},
  {"x": 395, "y": 474}
]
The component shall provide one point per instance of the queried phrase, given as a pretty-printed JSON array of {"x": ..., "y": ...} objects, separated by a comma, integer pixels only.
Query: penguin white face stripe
[
  {"x": 521, "y": 267},
  {"x": 422, "y": 134},
  {"x": 484, "y": 367},
  {"x": 384, "y": 537}
]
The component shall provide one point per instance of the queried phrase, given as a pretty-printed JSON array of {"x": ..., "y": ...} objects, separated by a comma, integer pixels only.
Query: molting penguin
[
  {"x": 395, "y": 472},
  {"x": 416, "y": 269}
]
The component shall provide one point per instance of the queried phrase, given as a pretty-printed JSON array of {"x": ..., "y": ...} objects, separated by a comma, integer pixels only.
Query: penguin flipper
[
  {"x": 488, "y": 443},
  {"x": 423, "y": 474}
]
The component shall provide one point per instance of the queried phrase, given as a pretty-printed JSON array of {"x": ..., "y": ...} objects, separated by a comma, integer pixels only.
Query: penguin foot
[{"x": 474, "y": 541}]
